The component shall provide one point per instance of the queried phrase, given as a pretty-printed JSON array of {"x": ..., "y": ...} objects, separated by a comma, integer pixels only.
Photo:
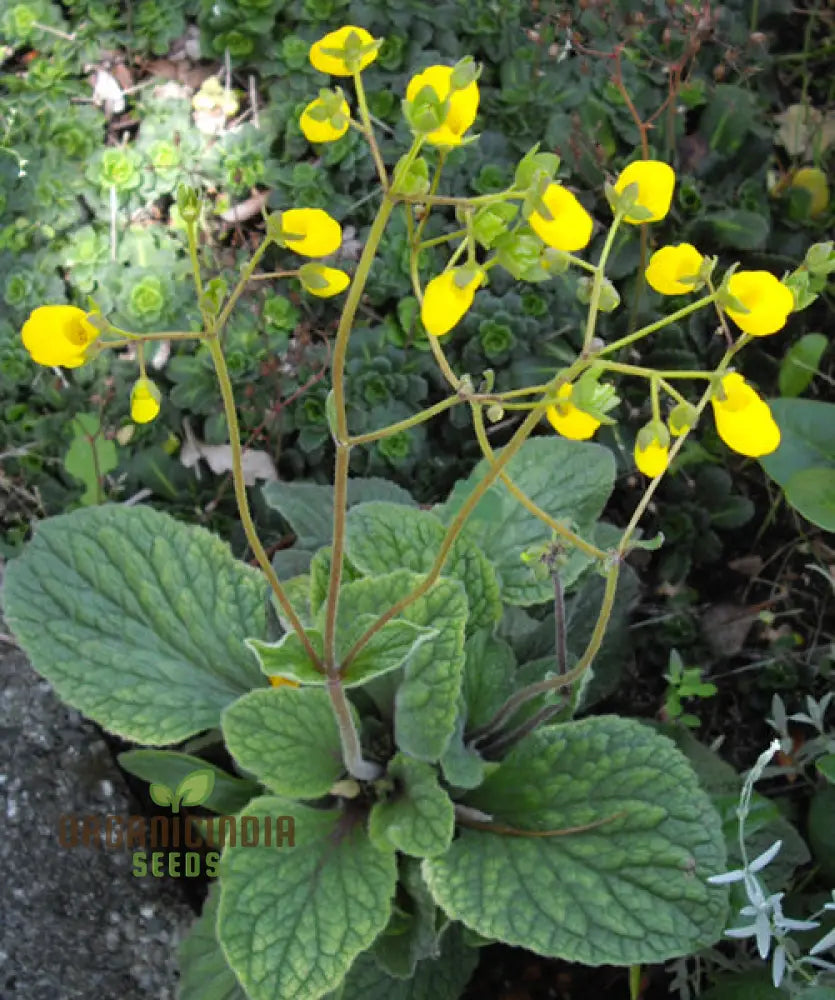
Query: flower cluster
[{"x": 532, "y": 240}]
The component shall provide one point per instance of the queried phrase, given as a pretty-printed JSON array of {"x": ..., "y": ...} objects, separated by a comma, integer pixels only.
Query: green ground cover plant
[{"x": 409, "y": 682}]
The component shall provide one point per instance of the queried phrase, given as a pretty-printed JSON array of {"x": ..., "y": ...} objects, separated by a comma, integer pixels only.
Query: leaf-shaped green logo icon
[
  {"x": 196, "y": 787},
  {"x": 161, "y": 794}
]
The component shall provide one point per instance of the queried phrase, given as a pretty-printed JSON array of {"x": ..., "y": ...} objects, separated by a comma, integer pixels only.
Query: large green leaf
[
  {"x": 204, "y": 971},
  {"x": 734, "y": 227},
  {"x": 293, "y": 919},
  {"x": 414, "y": 929},
  {"x": 426, "y": 702},
  {"x": 463, "y": 767},
  {"x": 489, "y": 671},
  {"x": 228, "y": 795},
  {"x": 383, "y": 537},
  {"x": 442, "y": 978},
  {"x": 137, "y": 620},
  {"x": 812, "y": 493},
  {"x": 807, "y": 438},
  {"x": 630, "y": 890},
  {"x": 288, "y": 738},
  {"x": 800, "y": 363},
  {"x": 570, "y": 480},
  {"x": 417, "y": 817},
  {"x": 308, "y": 507}
]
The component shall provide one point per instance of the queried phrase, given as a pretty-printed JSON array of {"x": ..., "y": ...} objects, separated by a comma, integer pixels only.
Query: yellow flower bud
[
  {"x": 463, "y": 104},
  {"x": 144, "y": 401},
  {"x": 336, "y": 65},
  {"x": 669, "y": 265},
  {"x": 322, "y": 281},
  {"x": 58, "y": 335},
  {"x": 681, "y": 419},
  {"x": 743, "y": 420},
  {"x": 656, "y": 182},
  {"x": 567, "y": 420},
  {"x": 318, "y": 235},
  {"x": 767, "y": 300},
  {"x": 316, "y": 130},
  {"x": 277, "y": 681},
  {"x": 570, "y": 227},
  {"x": 445, "y": 301},
  {"x": 652, "y": 453},
  {"x": 813, "y": 180}
]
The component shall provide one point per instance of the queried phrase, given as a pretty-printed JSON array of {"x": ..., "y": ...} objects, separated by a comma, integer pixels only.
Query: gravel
[{"x": 75, "y": 924}]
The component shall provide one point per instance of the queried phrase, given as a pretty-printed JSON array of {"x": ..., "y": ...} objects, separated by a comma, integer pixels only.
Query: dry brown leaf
[
  {"x": 725, "y": 627},
  {"x": 256, "y": 464},
  {"x": 246, "y": 209},
  {"x": 747, "y": 565}
]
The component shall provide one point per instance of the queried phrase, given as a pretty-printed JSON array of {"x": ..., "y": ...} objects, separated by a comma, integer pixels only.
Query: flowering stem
[
  {"x": 358, "y": 767},
  {"x": 404, "y": 425},
  {"x": 524, "y": 695},
  {"x": 511, "y": 448},
  {"x": 237, "y": 291},
  {"x": 655, "y": 402},
  {"x": 652, "y": 327},
  {"x": 459, "y": 250},
  {"x": 368, "y": 131},
  {"x": 269, "y": 275},
  {"x": 638, "y": 513},
  {"x": 225, "y": 383},
  {"x": 559, "y": 529},
  {"x": 343, "y": 447},
  {"x": 616, "y": 366},
  {"x": 597, "y": 284},
  {"x": 191, "y": 234},
  {"x": 484, "y": 199},
  {"x": 443, "y": 364},
  {"x": 677, "y": 396},
  {"x": 446, "y": 238}
]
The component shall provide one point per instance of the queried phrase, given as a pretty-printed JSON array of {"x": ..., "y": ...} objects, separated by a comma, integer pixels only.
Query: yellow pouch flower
[
  {"x": 336, "y": 65},
  {"x": 743, "y": 420},
  {"x": 58, "y": 335},
  {"x": 322, "y": 281},
  {"x": 567, "y": 420},
  {"x": 144, "y": 401},
  {"x": 318, "y": 234},
  {"x": 463, "y": 104},
  {"x": 669, "y": 265},
  {"x": 656, "y": 182},
  {"x": 570, "y": 227},
  {"x": 767, "y": 300},
  {"x": 445, "y": 301},
  {"x": 323, "y": 129}
]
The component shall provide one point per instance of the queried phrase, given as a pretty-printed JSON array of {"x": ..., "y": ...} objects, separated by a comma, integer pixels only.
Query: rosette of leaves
[
  {"x": 693, "y": 514},
  {"x": 117, "y": 168},
  {"x": 55, "y": 196},
  {"x": 85, "y": 256},
  {"x": 241, "y": 160},
  {"x": 588, "y": 840},
  {"x": 27, "y": 282},
  {"x": 243, "y": 27},
  {"x": 305, "y": 184},
  {"x": 75, "y": 132},
  {"x": 156, "y": 25}
]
